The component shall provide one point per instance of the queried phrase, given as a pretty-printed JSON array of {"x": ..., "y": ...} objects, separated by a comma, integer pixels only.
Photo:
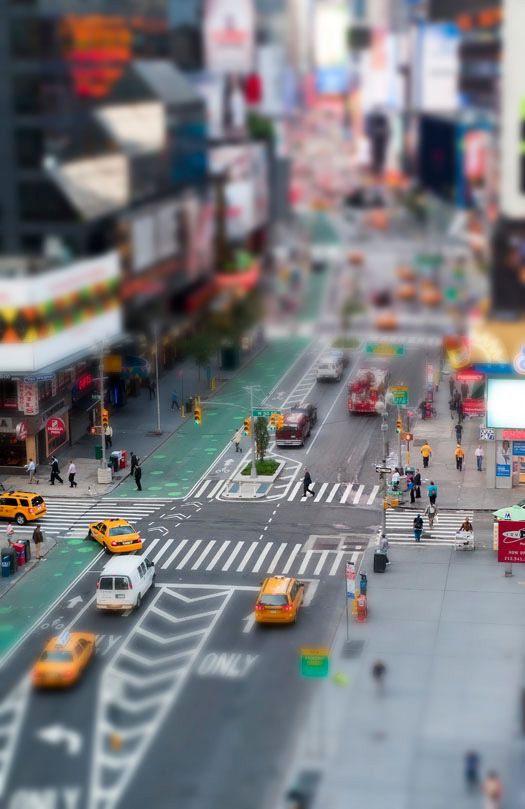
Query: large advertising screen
[
  {"x": 506, "y": 403},
  {"x": 512, "y": 148},
  {"x": 436, "y": 70},
  {"x": 229, "y": 36}
]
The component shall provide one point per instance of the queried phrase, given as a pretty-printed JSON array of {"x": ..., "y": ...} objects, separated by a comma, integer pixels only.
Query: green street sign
[
  {"x": 261, "y": 413},
  {"x": 315, "y": 663},
  {"x": 400, "y": 394},
  {"x": 385, "y": 349}
]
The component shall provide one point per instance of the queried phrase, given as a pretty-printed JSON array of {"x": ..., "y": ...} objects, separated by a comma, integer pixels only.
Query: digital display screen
[{"x": 506, "y": 403}]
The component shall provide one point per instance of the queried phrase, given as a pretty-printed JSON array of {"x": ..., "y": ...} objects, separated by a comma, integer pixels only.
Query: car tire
[
  {"x": 139, "y": 602},
  {"x": 89, "y": 535},
  {"x": 20, "y": 519},
  {"x": 106, "y": 549}
]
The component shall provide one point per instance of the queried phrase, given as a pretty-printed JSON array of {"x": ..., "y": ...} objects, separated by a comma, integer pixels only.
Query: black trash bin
[
  {"x": 10, "y": 554},
  {"x": 27, "y": 548},
  {"x": 380, "y": 558},
  {"x": 115, "y": 461}
]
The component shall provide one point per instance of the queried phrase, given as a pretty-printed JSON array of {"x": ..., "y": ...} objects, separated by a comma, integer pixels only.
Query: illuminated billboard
[
  {"x": 512, "y": 148},
  {"x": 331, "y": 34},
  {"x": 229, "y": 36},
  {"x": 48, "y": 317},
  {"x": 506, "y": 403}
]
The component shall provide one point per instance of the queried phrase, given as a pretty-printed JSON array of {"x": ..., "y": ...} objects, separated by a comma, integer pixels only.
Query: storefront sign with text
[{"x": 511, "y": 541}]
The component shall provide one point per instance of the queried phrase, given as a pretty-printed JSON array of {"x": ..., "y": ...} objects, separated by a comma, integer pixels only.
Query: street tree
[{"x": 262, "y": 437}]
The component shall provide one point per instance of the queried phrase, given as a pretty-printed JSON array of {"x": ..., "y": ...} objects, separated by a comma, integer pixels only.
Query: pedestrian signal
[
  {"x": 197, "y": 414},
  {"x": 247, "y": 426},
  {"x": 273, "y": 421},
  {"x": 280, "y": 421},
  {"x": 399, "y": 425},
  {"x": 105, "y": 417}
]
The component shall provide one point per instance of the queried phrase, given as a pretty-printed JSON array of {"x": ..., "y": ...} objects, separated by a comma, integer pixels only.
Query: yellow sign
[{"x": 321, "y": 651}]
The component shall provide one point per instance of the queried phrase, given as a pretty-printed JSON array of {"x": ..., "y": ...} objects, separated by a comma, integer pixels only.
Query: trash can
[
  {"x": 6, "y": 566},
  {"x": 20, "y": 551},
  {"x": 98, "y": 452},
  {"x": 115, "y": 460},
  {"x": 27, "y": 548},
  {"x": 10, "y": 554},
  {"x": 379, "y": 561}
]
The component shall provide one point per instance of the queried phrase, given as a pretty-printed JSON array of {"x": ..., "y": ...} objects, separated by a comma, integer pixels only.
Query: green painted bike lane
[
  {"x": 175, "y": 468},
  {"x": 30, "y": 597}
]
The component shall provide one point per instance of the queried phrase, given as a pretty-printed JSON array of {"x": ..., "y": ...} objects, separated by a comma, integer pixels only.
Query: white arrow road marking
[
  {"x": 249, "y": 623},
  {"x": 74, "y": 601},
  {"x": 12, "y": 714},
  {"x": 58, "y": 735}
]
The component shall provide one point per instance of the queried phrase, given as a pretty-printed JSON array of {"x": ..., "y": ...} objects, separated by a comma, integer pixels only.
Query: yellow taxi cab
[
  {"x": 386, "y": 321},
  {"x": 431, "y": 296},
  {"x": 63, "y": 659},
  {"x": 406, "y": 292},
  {"x": 279, "y": 600},
  {"x": 116, "y": 536},
  {"x": 21, "y": 507}
]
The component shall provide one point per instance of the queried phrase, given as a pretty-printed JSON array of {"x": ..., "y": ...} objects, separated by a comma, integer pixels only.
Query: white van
[
  {"x": 124, "y": 582},
  {"x": 330, "y": 368}
]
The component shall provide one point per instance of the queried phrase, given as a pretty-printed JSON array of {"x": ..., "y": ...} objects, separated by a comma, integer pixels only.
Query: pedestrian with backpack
[
  {"x": 431, "y": 514},
  {"x": 432, "y": 491},
  {"x": 418, "y": 528}
]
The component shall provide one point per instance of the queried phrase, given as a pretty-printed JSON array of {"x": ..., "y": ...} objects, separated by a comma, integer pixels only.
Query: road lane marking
[
  {"x": 215, "y": 490},
  {"x": 305, "y": 562},
  {"x": 231, "y": 558},
  {"x": 332, "y": 493},
  {"x": 203, "y": 555},
  {"x": 295, "y": 490},
  {"x": 262, "y": 557},
  {"x": 358, "y": 494},
  {"x": 247, "y": 556},
  {"x": 320, "y": 564},
  {"x": 337, "y": 561},
  {"x": 190, "y": 553},
  {"x": 345, "y": 496},
  {"x": 203, "y": 488},
  {"x": 175, "y": 553},
  {"x": 168, "y": 543},
  {"x": 273, "y": 563},
  {"x": 291, "y": 558},
  {"x": 372, "y": 496},
  {"x": 218, "y": 555},
  {"x": 320, "y": 493}
]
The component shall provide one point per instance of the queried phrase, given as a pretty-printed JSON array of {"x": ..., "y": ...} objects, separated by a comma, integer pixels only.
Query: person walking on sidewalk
[
  {"x": 151, "y": 389},
  {"x": 460, "y": 454},
  {"x": 237, "y": 440},
  {"x": 134, "y": 461},
  {"x": 108, "y": 436},
  {"x": 479, "y": 457},
  {"x": 38, "y": 539},
  {"x": 55, "y": 471},
  {"x": 472, "y": 764},
  {"x": 459, "y": 432},
  {"x": 418, "y": 527},
  {"x": 451, "y": 386},
  {"x": 431, "y": 514},
  {"x": 174, "y": 400},
  {"x": 10, "y": 533},
  {"x": 417, "y": 484},
  {"x": 30, "y": 468},
  {"x": 411, "y": 489},
  {"x": 71, "y": 472},
  {"x": 432, "y": 491},
  {"x": 378, "y": 673},
  {"x": 464, "y": 390},
  {"x": 426, "y": 452},
  {"x": 307, "y": 483},
  {"x": 453, "y": 407},
  {"x": 461, "y": 411},
  {"x": 138, "y": 476},
  {"x": 493, "y": 790}
]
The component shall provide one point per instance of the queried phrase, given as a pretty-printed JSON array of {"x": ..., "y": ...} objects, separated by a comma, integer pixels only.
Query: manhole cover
[{"x": 353, "y": 648}]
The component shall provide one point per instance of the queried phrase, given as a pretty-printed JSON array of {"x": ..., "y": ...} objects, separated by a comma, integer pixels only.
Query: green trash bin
[{"x": 98, "y": 452}]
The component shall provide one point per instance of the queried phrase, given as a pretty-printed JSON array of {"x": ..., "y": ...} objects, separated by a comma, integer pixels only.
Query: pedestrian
[
  {"x": 411, "y": 489},
  {"x": 55, "y": 471},
  {"x": 378, "y": 673},
  {"x": 423, "y": 409},
  {"x": 460, "y": 454},
  {"x": 151, "y": 389},
  {"x": 426, "y": 452},
  {"x": 472, "y": 763},
  {"x": 464, "y": 390},
  {"x": 432, "y": 491},
  {"x": 461, "y": 411},
  {"x": 71, "y": 472},
  {"x": 237, "y": 440},
  {"x": 479, "y": 453},
  {"x": 417, "y": 484},
  {"x": 395, "y": 480},
  {"x": 451, "y": 385},
  {"x": 30, "y": 468},
  {"x": 493, "y": 790},
  {"x": 138, "y": 476},
  {"x": 134, "y": 463},
  {"x": 307, "y": 484},
  {"x": 174, "y": 400},
  {"x": 383, "y": 546},
  {"x": 431, "y": 514},
  {"x": 10, "y": 533},
  {"x": 453, "y": 407},
  {"x": 459, "y": 432},
  {"x": 38, "y": 539},
  {"x": 418, "y": 527},
  {"x": 108, "y": 436}
]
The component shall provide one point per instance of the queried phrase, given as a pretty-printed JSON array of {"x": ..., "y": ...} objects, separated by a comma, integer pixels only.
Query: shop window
[
  {"x": 12, "y": 451},
  {"x": 41, "y": 201},
  {"x": 8, "y": 394},
  {"x": 29, "y": 144}
]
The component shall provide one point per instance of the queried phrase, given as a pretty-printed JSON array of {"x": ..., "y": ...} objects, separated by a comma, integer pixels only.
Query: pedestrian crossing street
[
  {"x": 351, "y": 494},
  {"x": 70, "y": 517},
  {"x": 261, "y": 558},
  {"x": 400, "y": 526}
]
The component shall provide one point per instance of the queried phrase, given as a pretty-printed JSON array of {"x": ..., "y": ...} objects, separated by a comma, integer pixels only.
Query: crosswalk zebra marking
[
  {"x": 320, "y": 493},
  {"x": 373, "y": 496},
  {"x": 337, "y": 561},
  {"x": 332, "y": 493},
  {"x": 400, "y": 527},
  {"x": 180, "y": 547},
  {"x": 203, "y": 488},
  {"x": 346, "y": 494},
  {"x": 247, "y": 556},
  {"x": 320, "y": 564},
  {"x": 203, "y": 555},
  {"x": 233, "y": 555},
  {"x": 305, "y": 562},
  {"x": 218, "y": 555},
  {"x": 190, "y": 553},
  {"x": 153, "y": 544},
  {"x": 262, "y": 557},
  {"x": 295, "y": 490},
  {"x": 291, "y": 558},
  {"x": 275, "y": 560},
  {"x": 215, "y": 489},
  {"x": 358, "y": 494},
  {"x": 164, "y": 549}
]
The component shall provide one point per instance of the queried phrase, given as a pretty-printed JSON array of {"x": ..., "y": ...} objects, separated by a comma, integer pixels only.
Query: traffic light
[
  {"x": 247, "y": 426},
  {"x": 105, "y": 417},
  {"x": 399, "y": 425},
  {"x": 280, "y": 421},
  {"x": 273, "y": 421},
  {"x": 197, "y": 414},
  {"x": 409, "y": 437}
]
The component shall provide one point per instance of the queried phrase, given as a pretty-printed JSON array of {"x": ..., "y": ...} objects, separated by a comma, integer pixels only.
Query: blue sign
[
  {"x": 503, "y": 470},
  {"x": 332, "y": 80},
  {"x": 518, "y": 448},
  {"x": 493, "y": 368}
]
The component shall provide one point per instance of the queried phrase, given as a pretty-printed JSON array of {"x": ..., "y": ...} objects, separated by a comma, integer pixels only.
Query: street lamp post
[
  {"x": 156, "y": 337},
  {"x": 102, "y": 436},
  {"x": 382, "y": 409}
]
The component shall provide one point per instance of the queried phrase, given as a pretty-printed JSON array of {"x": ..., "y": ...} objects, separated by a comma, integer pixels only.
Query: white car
[
  {"x": 124, "y": 582},
  {"x": 330, "y": 368}
]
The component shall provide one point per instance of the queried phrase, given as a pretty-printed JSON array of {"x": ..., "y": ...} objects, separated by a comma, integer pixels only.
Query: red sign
[
  {"x": 469, "y": 376},
  {"x": 84, "y": 381},
  {"x": 21, "y": 431},
  {"x": 514, "y": 435},
  {"x": 55, "y": 427},
  {"x": 474, "y": 407},
  {"x": 511, "y": 541}
]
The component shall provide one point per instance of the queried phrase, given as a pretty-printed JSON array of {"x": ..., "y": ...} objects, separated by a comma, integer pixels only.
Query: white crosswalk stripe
[
  {"x": 262, "y": 558},
  {"x": 70, "y": 517},
  {"x": 400, "y": 526},
  {"x": 350, "y": 494},
  {"x": 400, "y": 338}
]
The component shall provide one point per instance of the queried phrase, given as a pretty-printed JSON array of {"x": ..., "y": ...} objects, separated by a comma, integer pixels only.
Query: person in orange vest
[
  {"x": 460, "y": 454},
  {"x": 426, "y": 452}
]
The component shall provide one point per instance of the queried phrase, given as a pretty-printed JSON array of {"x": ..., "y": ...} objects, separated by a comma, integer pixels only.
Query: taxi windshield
[
  {"x": 120, "y": 530},
  {"x": 273, "y": 600},
  {"x": 57, "y": 656}
]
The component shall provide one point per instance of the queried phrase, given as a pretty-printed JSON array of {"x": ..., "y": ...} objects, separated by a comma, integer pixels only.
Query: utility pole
[
  {"x": 156, "y": 336},
  {"x": 399, "y": 418},
  {"x": 384, "y": 430},
  {"x": 102, "y": 436},
  {"x": 251, "y": 388}
]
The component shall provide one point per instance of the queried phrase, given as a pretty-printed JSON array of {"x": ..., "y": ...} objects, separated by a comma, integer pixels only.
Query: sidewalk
[
  {"x": 449, "y": 628},
  {"x": 466, "y": 489}
]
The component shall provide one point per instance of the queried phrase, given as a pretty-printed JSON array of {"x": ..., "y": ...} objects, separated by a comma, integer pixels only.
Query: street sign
[
  {"x": 511, "y": 542},
  {"x": 400, "y": 394},
  {"x": 350, "y": 580},
  {"x": 385, "y": 349},
  {"x": 263, "y": 413},
  {"x": 315, "y": 663}
]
